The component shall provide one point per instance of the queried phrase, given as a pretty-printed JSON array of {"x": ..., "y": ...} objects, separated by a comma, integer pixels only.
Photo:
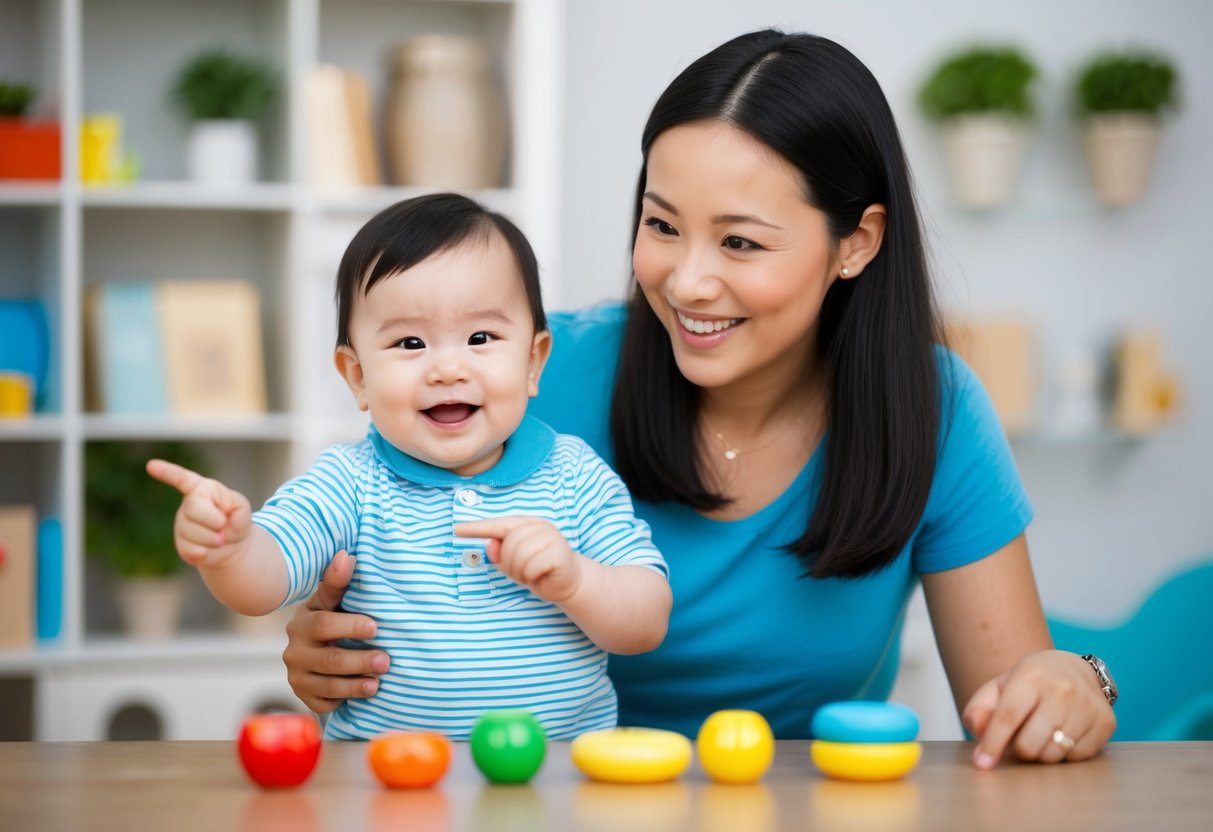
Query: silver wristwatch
[{"x": 1105, "y": 678}]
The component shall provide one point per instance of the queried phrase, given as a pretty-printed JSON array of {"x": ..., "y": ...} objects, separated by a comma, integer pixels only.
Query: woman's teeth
[{"x": 704, "y": 327}]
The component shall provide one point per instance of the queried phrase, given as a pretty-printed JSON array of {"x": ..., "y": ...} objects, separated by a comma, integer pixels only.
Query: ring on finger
[{"x": 1064, "y": 741}]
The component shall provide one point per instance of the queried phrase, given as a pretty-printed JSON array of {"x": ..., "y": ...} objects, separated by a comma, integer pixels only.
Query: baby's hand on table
[
  {"x": 531, "y": 551},
  {"x": 213, "y": 520}
]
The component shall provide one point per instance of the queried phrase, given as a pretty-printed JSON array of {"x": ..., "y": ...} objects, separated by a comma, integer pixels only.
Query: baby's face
[{"x": 445, "y": 357}]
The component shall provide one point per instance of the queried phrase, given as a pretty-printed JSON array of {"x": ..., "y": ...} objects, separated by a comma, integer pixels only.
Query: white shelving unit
[{"x": 57, "y": 239}]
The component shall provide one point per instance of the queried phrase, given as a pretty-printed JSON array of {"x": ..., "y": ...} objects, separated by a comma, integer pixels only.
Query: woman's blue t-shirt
[{"x": 747, "y": 630}]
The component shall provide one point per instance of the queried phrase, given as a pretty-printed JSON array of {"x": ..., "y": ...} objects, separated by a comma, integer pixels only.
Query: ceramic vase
[
  {"x": 222, "y": 153},
  {"x": 1121, "y": 148},
  {"x": 446, "y": 119},
  {"x": 985, "y": 154}
]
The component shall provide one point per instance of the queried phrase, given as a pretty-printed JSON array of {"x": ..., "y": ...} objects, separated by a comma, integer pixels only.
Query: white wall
[{"x": 1113, "y": 518}]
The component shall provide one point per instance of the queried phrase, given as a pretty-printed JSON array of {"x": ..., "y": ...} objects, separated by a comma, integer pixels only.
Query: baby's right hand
[{"x": 213, "y": 520}]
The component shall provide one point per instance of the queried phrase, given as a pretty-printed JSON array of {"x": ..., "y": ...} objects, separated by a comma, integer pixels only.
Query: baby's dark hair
[{"x": 402, "y": 235}]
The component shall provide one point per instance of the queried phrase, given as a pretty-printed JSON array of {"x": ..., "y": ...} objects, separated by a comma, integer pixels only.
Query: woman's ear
[
  {"x": 541, "y": 348},
  {"x": 857, "y": 250},
  {"x": 347, "y": 363}
]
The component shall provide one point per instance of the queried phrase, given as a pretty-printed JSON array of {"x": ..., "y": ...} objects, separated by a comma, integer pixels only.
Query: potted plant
[
  {"x": 129, "y": 528},
  {"x": 28, "y": 149},
  {"x": 223, "y": 94},
  {"x": 981, "y": 97},
  {"x": 1121, "y": 98}
]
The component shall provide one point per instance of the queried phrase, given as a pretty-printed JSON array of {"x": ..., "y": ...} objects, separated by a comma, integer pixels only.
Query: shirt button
[
  {"x": 468, "y": 497},
  {"x": 473, "y": 560}
]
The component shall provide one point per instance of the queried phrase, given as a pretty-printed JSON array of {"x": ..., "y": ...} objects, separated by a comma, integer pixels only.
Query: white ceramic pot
[
  {"x": 984, "y": 157},
  {"x": 1121, "y": 148},
  {"x": 151, "y": 607},
  {"x": 222, "y": 153}
]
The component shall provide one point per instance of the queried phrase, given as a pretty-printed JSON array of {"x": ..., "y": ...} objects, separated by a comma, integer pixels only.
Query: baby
[{"x": 500, "y": 560}]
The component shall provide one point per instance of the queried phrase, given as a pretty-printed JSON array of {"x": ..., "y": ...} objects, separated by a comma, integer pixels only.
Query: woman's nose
[{"x": 693, "y": 279}]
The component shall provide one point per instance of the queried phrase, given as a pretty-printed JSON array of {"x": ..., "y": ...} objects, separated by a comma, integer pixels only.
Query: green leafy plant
[
  {"x": 15, "y": 98},
  {"x": 128, "y": 516},
  {"x": 1134, "y": 81},
  {"x": 219, "y": 84},
  {"x": 981, "y": 79}
]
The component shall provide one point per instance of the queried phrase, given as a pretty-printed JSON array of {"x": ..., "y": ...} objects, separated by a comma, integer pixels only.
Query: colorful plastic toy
[
  {"x": 409, "y": 759},
  {"x": 631, "y": 755},
  {"x": 735, "y": 746},
  {"x": 508, "y": 746},
  {"x": 865, "y": 740}
]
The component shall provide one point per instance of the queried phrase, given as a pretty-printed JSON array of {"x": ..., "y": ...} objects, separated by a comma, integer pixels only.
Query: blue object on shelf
[
  {"x": 864, "y": 721},
  {"x": 1159, "y": 658},
  {"x": 25, "y": 341},
  {"x": 129, "y": 349},
  {"x": 50, "y": 578}
]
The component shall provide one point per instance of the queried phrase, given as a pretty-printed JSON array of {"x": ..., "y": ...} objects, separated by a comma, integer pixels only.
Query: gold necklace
[{"x": 731, "y": 453}]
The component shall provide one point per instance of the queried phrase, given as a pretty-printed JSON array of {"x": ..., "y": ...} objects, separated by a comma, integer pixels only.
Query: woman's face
[{"x": 732, "y": 258}]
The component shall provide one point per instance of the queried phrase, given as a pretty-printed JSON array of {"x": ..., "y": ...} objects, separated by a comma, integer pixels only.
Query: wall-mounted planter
[
  {"x": 29, "y": 149},
  {"x": 985, "y": 153},
  {"x": 1121, "y": 148}
]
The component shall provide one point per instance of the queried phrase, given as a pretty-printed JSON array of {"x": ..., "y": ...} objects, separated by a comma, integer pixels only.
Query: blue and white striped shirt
[{"x": 463, "y": 638}]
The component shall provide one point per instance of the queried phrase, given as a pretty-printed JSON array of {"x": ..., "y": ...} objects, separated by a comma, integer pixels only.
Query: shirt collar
[{"x": 525, "y": 451}]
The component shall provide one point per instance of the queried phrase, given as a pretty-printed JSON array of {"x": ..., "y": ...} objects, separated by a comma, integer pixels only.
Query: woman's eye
[
  {"x": 736, "y": 243},
  {"x": 411, "y": 343},
  {"x": 661, "y": 227},
  {"x": 476, "y": 339}
]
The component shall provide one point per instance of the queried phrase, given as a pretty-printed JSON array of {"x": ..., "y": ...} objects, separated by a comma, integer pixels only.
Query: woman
[{"x": 803, "y": 449}]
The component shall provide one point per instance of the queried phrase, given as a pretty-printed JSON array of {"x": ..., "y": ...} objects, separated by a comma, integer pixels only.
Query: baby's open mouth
[{"x": 449, "y": 414}]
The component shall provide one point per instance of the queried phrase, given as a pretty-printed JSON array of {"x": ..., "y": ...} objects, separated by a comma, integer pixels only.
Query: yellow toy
[
  {"x": 865, "y": 760},
  {"x": 631, "y": 755},
  {"x": 735, "y": 746}
]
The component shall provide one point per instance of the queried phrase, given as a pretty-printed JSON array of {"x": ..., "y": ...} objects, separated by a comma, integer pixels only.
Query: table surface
[{"x": 200, "y": 785}]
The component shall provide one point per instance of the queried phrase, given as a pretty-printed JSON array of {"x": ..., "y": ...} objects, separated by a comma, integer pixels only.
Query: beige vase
[
  {"x": 151, "y": 607},
  {"x": 985, "y": 154},
  {"x": 1121, "y": 148},
  {"x": 446, "y": 120}
]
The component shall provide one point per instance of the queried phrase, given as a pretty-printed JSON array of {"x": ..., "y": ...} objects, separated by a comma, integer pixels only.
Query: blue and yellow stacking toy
[{"x": 865, "y": 740}]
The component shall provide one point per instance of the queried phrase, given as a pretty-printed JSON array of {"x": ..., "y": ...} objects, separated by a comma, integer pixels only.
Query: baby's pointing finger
[
  {"x": 170, "y": 473},
  {"x": 497, "y": 527}
]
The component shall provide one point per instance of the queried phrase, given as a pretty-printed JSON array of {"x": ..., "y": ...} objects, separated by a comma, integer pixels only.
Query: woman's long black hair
[{"x": 818, "y": 106}]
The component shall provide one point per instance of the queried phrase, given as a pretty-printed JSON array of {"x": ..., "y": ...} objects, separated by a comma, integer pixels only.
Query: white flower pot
[
  {"x": 984, "y": 158},
  {"x": 1121, "y": 148},
  {"x": 151, "y": 607},
  {"x": 222, "y": 153}
]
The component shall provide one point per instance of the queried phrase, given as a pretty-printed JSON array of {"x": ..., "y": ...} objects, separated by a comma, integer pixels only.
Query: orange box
[{"x": 29, "y": 149}]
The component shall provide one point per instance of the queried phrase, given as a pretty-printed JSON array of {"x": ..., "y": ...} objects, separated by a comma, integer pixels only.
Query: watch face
[{"x": 1105, "y": 677}]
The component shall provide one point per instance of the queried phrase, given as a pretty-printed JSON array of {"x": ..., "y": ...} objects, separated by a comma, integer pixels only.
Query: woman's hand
[
  {"x": 322, "y": 674},
  {"x": 1024, "y": 709}
]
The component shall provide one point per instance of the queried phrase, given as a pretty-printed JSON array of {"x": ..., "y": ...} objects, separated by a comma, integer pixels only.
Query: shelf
[
  {"x": 265, "y": 196},
  {"x": 272, "y": 427},
  {"x": 279, "y": 234},
  {"x": 37, "y": 428},
  {"x": 21, "y": 194}
]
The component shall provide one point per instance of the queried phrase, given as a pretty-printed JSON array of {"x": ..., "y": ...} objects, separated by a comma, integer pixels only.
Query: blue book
[
  {"x": 49, "y": 574},
  {"x": 25, "y": 343},
  {"x": 129, "y": 349}
]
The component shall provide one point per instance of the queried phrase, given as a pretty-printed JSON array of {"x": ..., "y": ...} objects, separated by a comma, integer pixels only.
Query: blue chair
[{"x": 1161, "y": 658}]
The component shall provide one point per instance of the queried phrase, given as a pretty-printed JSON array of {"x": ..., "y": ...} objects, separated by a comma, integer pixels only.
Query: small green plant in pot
[
  {"x": 224, "y": 95},
  {"x": 15, "y": 99},
  {"x": 1121, "y": 98},
  {"x": 982, "y": 99},
  {"x": 128, "y": 527}
]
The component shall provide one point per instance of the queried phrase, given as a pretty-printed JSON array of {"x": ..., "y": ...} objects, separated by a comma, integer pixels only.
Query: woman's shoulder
[{"x": 603, "y": 320}]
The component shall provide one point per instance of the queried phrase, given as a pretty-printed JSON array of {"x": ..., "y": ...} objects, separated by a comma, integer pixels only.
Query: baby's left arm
[{"x": 623, "y": 609}]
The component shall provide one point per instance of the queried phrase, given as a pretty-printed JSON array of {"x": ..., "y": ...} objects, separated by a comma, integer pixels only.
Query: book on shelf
[
  {"x": 125, "y": 355},
  {"x": 212, "y": 346},
  {"x": 180, "y": 346},
  {"x": 341, "y": 142},
  {"x": 17, "y": 588}
]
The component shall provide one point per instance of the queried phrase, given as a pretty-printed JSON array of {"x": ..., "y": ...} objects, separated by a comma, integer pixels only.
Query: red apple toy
[{"x": 279, "y": 750}]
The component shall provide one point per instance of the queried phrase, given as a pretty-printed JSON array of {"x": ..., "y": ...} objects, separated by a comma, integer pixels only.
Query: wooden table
[{"x": 178, "y": 786}]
